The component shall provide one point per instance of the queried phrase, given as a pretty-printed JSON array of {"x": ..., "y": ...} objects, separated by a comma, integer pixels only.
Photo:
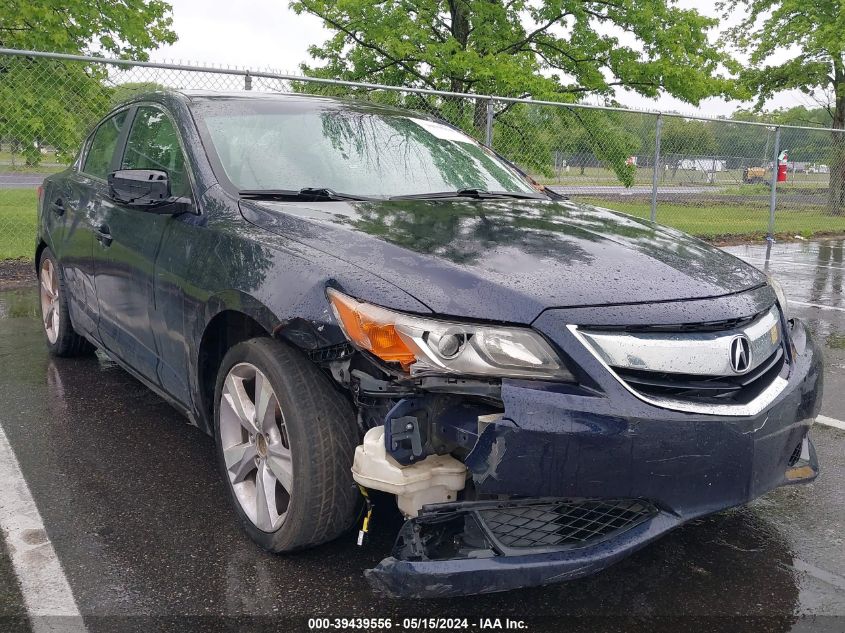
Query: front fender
[{"x": 273, "y": 279}]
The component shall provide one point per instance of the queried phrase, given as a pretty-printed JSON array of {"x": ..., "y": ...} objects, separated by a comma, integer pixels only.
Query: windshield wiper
[
  {"x": 478, "y": 194},
  {"x": 306, "y": 194}
]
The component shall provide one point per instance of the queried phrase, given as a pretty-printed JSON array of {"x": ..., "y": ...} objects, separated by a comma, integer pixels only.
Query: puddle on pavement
[
  {"x": 811, "y": 272},
  {"x": 21, "y": 303}
]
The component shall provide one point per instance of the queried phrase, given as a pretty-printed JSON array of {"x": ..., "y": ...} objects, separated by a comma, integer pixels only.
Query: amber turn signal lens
[
  {"x": 371, "y": 328},
  {"x": 347, "y": 314}
]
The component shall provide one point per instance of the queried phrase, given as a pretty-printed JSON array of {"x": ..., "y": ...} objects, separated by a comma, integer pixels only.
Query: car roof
[{"x": 318, "y": 101}]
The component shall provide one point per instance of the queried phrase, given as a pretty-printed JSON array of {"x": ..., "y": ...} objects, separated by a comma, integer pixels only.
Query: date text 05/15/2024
[{"x": 417, "y": 624}]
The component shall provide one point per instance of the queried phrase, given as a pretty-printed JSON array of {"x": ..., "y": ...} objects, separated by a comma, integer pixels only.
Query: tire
[
  {"x": 301, "y": 449},
  {"x": 62, "y": 339}
]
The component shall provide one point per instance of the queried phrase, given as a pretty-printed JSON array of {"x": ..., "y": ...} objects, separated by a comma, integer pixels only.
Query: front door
[
  {"x": 129, "y": 241},
  {"x": 76, "y": 200}
]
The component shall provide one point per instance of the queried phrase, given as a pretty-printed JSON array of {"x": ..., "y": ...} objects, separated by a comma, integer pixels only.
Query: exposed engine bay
[{"x": 417, "y": 431}]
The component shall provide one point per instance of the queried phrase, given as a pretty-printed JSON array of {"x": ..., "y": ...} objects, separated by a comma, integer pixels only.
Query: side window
[
  {"x": 101, "y": 151},
  {"x": 154, "y": 144}
]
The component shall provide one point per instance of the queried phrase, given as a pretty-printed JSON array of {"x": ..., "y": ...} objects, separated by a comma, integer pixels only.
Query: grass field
[
  {"x": 17, "y": 163},
  {"x": 17, "y": 223},
  {"x": 720, "y": 221}
]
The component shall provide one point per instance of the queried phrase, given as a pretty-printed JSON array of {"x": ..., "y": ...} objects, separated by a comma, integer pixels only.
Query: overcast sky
[{"x": 266, "y": 34}]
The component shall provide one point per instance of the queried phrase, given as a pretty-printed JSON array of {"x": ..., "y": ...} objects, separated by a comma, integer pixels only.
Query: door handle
[
  {"x": 57, "y": 206},
  {"x": 104, "y": 235}
]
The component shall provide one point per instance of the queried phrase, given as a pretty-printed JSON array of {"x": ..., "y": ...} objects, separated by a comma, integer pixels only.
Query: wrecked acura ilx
[{"x": 354, "y": 298}]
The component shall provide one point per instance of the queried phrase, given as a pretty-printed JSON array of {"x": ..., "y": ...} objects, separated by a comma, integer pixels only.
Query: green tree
[
  {"x": 127, "y": 29},
  {"x": 125, "y": 91},
  {"x": 587, "y": 136},
  {"x": 578, "y": 147},
  {"x": 558, "y": 50},
  {"x": 801, "y": 115},
  {"x": 682, "y": 138},
  {"x": 48, "y": 104},
  {"x": 743, "y": 145},
  {"x": 51, "y": 103},
  {"x": 812, "y": 34}
]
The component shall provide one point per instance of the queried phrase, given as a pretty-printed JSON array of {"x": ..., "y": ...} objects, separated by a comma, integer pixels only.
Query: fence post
[
  {"x": 488, "y": 126},
  {"x": 247, "y": 81},
  {"x": 656, "y": 171},
  {"x": 774, "y": 196}
]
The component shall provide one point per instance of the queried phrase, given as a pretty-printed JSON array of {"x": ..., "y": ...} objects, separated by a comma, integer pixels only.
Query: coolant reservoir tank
[{"x": 435, "y": 479}]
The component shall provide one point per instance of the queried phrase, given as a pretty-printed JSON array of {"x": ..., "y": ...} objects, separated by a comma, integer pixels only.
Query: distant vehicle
[
  {"x": 754, "y": 175},
  {"x": 345, "y": 294},
  {"x": 702, "y": 164},
  {"x": 818, "y": 169}
]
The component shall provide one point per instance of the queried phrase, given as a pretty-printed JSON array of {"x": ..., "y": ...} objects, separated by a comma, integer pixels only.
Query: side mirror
[{"x": 145, "y": 190}]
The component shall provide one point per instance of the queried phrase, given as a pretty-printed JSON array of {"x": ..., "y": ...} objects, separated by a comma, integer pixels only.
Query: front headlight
[
  {"x": 431, "y": 346},
  {"x": 781, "y": 297}
]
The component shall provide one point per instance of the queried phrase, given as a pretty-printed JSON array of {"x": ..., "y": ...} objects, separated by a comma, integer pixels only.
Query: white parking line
[
  {"x": 45, "y": 589},
  {"x": 816, "y": 305},
  {"x": 837, "y": 424},
  {"x": 817, "y": 572},
  {"x": 786, "y": 262}
]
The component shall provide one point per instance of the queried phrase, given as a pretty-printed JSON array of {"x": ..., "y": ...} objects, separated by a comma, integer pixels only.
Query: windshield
[{"x": 290, "y": 144}]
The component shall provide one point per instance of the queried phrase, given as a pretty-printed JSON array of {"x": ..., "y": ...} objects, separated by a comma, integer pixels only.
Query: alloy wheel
[
  {"x": 256, "y": 448},
  {"x": 50, "y": 300}
]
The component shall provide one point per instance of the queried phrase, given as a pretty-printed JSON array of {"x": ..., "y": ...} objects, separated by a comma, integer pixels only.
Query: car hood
[{"x": 508, "y": 260}]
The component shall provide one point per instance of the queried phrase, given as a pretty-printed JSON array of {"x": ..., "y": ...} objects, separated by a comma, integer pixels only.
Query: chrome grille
[
  {"x": 717, "y": 389},
  {"x": 692, "y": 370},
  {"x": 692, "y": 353}
]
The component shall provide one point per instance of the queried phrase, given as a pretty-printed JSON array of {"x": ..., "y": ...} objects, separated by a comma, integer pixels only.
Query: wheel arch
[
  {"x": 227, "y": 328},
  {"x": 39, "y": 248},
  {"x": 233, "y": 317}
]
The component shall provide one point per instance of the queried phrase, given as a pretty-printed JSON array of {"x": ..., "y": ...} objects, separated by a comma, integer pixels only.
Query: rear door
[
  {"x": 129, "y": 241},
  {"x": 75, "y": 201}
]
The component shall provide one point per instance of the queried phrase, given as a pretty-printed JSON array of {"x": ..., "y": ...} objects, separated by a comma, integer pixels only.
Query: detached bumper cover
[
  {"x": 491, "y": 573},
  {"x": 558, "y": 446}
]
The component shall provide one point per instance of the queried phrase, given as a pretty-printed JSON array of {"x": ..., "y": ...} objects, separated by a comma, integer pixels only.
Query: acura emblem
[{"x": 740, "y": 354}]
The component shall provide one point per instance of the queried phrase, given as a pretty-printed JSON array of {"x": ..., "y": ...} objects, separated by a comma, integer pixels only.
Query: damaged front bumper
[
  {"x": 485, "y": 547},
  {"x": 455, "y": 550},
  {"x": 579, "y": 481}
]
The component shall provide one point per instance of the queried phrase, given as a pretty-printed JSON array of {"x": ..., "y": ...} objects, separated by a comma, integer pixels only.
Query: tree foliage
[
  {"x": 128, "y": 90},
  {"x": 590, "y": 137},
  {"x": 559, "y": 50},
  {"x": 51, "y": 103},
  {"x": 812, "y": 35},
  {"x": 128, "y": 28},
  {"x": 681, "y": 138},
  {"x": 48, "y": 104}
]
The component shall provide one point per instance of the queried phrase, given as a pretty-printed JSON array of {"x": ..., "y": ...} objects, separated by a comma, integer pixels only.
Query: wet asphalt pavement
[{"x": 130, "y": 498}]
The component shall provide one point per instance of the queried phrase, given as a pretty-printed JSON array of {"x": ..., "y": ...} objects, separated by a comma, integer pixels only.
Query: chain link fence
[{"x": 714, "y": 178}]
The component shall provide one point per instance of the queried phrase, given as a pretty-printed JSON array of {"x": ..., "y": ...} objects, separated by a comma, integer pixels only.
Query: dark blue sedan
[{"x": 353, "y": 298}]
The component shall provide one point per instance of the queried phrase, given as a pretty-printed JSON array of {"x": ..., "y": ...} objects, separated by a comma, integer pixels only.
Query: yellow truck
[{"x": 754, "y": 175}]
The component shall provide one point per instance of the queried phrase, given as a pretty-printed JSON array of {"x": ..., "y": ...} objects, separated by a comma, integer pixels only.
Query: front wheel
[{"x": 285, "y": 441}]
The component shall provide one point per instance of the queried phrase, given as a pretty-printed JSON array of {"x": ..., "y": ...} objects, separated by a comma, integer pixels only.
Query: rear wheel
[
  {"x": 62, "y": 340},
  {"x": 285, "y": 441}
]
